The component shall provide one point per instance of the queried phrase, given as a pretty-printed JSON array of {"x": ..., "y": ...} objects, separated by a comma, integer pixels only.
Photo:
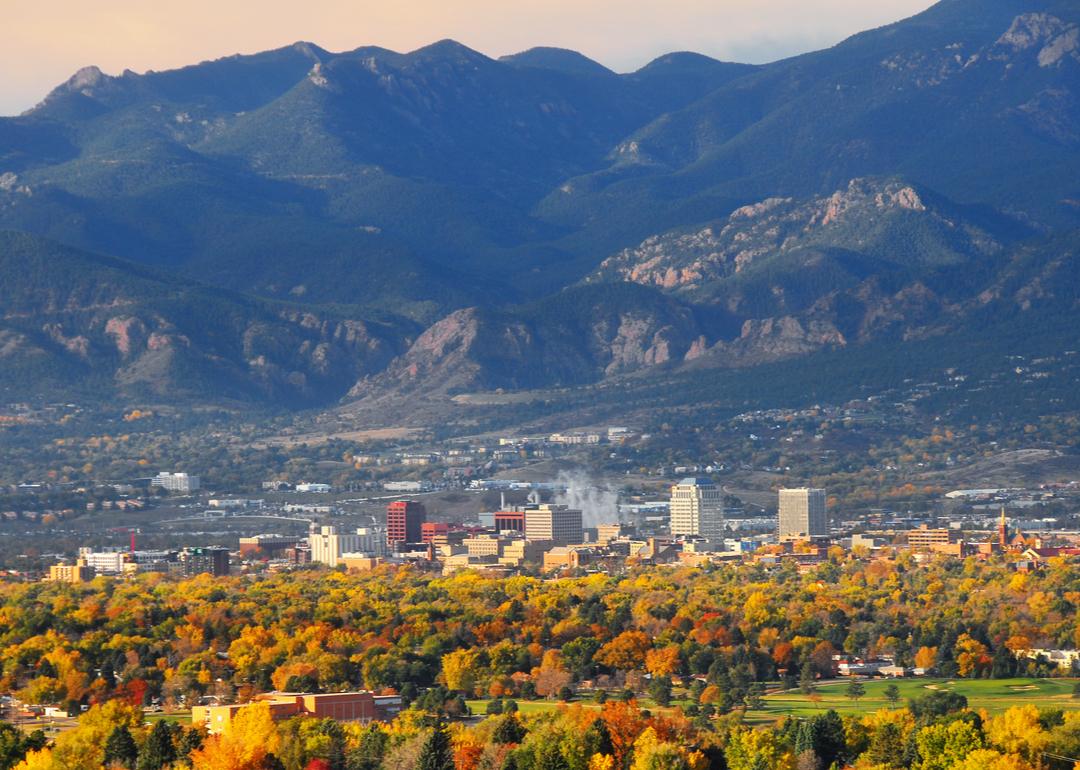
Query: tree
[
  {"x": 625, "y": 652},
  {"x": 937, "y": 703},
  {"x": 855, "y": 690},
  {"x": 926, "y": 658},
  {"x": 807, "y": 682},
  {"x": 159, "y": 750},
  {"x": 892, "y": 693},
  {"x": 660, "y": 690},
  {"x": 120, "y": 748},
  {"x": 437, "y": 752},
  {"x": 460, "y": 669},
  {"x": 886, "y": 746},
  {"x": 508, "y": 730},
  {"x": 941, "y": 746}
]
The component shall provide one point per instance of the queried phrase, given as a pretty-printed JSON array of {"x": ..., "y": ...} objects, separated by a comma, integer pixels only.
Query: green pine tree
[
  {"x": 120, "y": 748},
  {"x": 437, "y": 753}
]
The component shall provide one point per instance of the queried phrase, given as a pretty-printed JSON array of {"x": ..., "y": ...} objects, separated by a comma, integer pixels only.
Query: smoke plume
[{"x": 599, "y": 504}]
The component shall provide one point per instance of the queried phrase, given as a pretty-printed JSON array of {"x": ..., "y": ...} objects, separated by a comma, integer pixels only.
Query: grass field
[{"x": 994, "y": 695}]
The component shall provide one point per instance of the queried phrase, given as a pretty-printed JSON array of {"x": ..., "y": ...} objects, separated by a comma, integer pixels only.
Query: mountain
[
  {"x": 99, "y": 327},
  {"x": 577, "y": 337},
  {"x": 303, "y": 227}
]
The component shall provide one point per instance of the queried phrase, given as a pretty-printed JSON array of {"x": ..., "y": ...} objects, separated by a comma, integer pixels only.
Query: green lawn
[
  {"x": 183, "y": 717},
  {"x": 479, "y": 707},
  {"x": 994, "y": 695}
]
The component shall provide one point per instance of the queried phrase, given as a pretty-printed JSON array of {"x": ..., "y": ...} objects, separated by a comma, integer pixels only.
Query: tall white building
[
  {"x": 802, "y": 514},
  {"x": 697, "y": 508},
  {"x": 176, "y": 482},
  {"x": 328, "y": 545}
]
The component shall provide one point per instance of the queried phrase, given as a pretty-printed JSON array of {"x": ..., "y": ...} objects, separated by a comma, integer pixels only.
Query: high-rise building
[
  {"x": 558, "y": 523},
  {"x": 802, "y": 515},
  {"x": 697, "y": 508},
  {"x": 404, "y": 519}
]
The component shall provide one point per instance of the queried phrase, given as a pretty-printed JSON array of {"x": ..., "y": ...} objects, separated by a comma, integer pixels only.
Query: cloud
[{"x": 47, "y": 42}]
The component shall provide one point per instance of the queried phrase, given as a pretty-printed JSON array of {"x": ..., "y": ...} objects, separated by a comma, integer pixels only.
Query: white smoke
[{"x": 599, "y": 504}]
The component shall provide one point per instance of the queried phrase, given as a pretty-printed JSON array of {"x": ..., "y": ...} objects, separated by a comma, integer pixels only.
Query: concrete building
[
  {"x": 78, "y": 572},
  {"x": 926, "y": 539},
  {"x": 557, "y": 523},
  {"x": 432, "y": 530},
  {"x": 321, "y": 489},
  {"x": 327, "y": 545},
  {"x": 802, "y": 515},
  {"x": 339, "y": 706},
  {"x": 697, "y": 508},
  {"x": 108, "y": 562},
  {"x": 404, "y": 522},
  {"x": 176, "y": 482},
  {"x": 196, "y": 561},
  {"x": 269, "y": 546}
]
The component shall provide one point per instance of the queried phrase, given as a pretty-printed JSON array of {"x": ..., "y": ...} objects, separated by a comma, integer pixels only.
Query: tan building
[
  {"x": 568, "y": 556},
  {"x": 553, "y": 522},
  {"x": 802, "y": 515},
  {"x": 485, "y": 545},
  {"x": 78, "y": 572},
  {"x": 924, "y": 538},
  {"x": 519, "y": 552},
  {"x": 341, "y": 706},
  {"x": 697, "y": 508}
]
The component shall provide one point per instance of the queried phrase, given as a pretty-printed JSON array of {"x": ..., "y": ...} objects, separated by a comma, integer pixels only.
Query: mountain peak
[
  {"x": 557, "y": 59},
  {"x": 448, "y": 49}
]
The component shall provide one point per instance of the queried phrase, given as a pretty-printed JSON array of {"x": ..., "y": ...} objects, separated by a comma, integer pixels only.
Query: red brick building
[{"x": 404, "y": 522}]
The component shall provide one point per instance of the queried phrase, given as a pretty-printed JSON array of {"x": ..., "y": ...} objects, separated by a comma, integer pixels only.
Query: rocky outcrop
[
  {"x": 570, "y": 340},
  {"x": 863, "y": 217}
]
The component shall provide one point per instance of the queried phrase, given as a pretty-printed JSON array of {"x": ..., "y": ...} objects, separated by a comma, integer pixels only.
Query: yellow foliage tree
[{"x": 1018, "y": 731}]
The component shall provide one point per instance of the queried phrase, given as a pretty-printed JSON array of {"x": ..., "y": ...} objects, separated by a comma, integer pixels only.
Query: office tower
[
  {"x": 697, "y": 508},
  {"x": 802, "y": 515},
  {"x": 404, "y": 519}
]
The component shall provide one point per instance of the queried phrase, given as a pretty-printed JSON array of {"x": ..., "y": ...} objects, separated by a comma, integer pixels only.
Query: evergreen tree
[
  {"x": 190, "y": 740},
  {"x": 159, "y": 750},
  {"x": 437, "y": 753},
  {"x": 508, "y": 730},
  {"x": 886, "y": 746},
  {"x": 120, "y": 748},
  {"x": 892, "y": 693}
]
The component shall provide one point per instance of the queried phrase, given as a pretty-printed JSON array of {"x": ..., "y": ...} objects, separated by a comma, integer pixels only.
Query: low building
[
  {"x": 269, "y": 546},
  {"x": 341, "y": 707},
  {"x": 924, "y": 538},
  {"x": 183, "y": 483},
  {"x": 79, "y": 572},
  {"x": 321, "y": 489}
]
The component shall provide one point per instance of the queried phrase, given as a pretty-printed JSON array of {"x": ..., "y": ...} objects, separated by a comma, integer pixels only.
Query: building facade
[
  {"x": 558, "y": 523},
  {"x": 802, "y": 515},
  {"x": 697, "y": 508},
  {"x": 404, "y": 522},
  {"x": 177, "y": 482},
  {"x": 213, "y": 561}
]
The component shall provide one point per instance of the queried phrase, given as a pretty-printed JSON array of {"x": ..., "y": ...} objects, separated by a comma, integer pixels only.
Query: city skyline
[{"x": 121, "y": 34}]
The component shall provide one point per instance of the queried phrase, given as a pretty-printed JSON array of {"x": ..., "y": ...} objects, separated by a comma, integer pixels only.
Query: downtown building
[
  {"x": 404, "y": 523},
  {"x": 801, "y": 515},
  {"x": 697, "y": 510}
]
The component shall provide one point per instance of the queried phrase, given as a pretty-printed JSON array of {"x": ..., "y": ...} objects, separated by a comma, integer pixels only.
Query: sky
[{"x": 46, "y": 41}]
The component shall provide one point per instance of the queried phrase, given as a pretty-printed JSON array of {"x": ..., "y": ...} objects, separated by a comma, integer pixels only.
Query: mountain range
[{"x": 305, "y": 228}]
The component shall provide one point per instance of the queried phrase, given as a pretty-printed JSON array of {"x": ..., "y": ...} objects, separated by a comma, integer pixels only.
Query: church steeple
[{"x": 1003, "y": 531}]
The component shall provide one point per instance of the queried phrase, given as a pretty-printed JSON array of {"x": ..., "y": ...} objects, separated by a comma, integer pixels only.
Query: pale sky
[{"x": 46, "y": 41}]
